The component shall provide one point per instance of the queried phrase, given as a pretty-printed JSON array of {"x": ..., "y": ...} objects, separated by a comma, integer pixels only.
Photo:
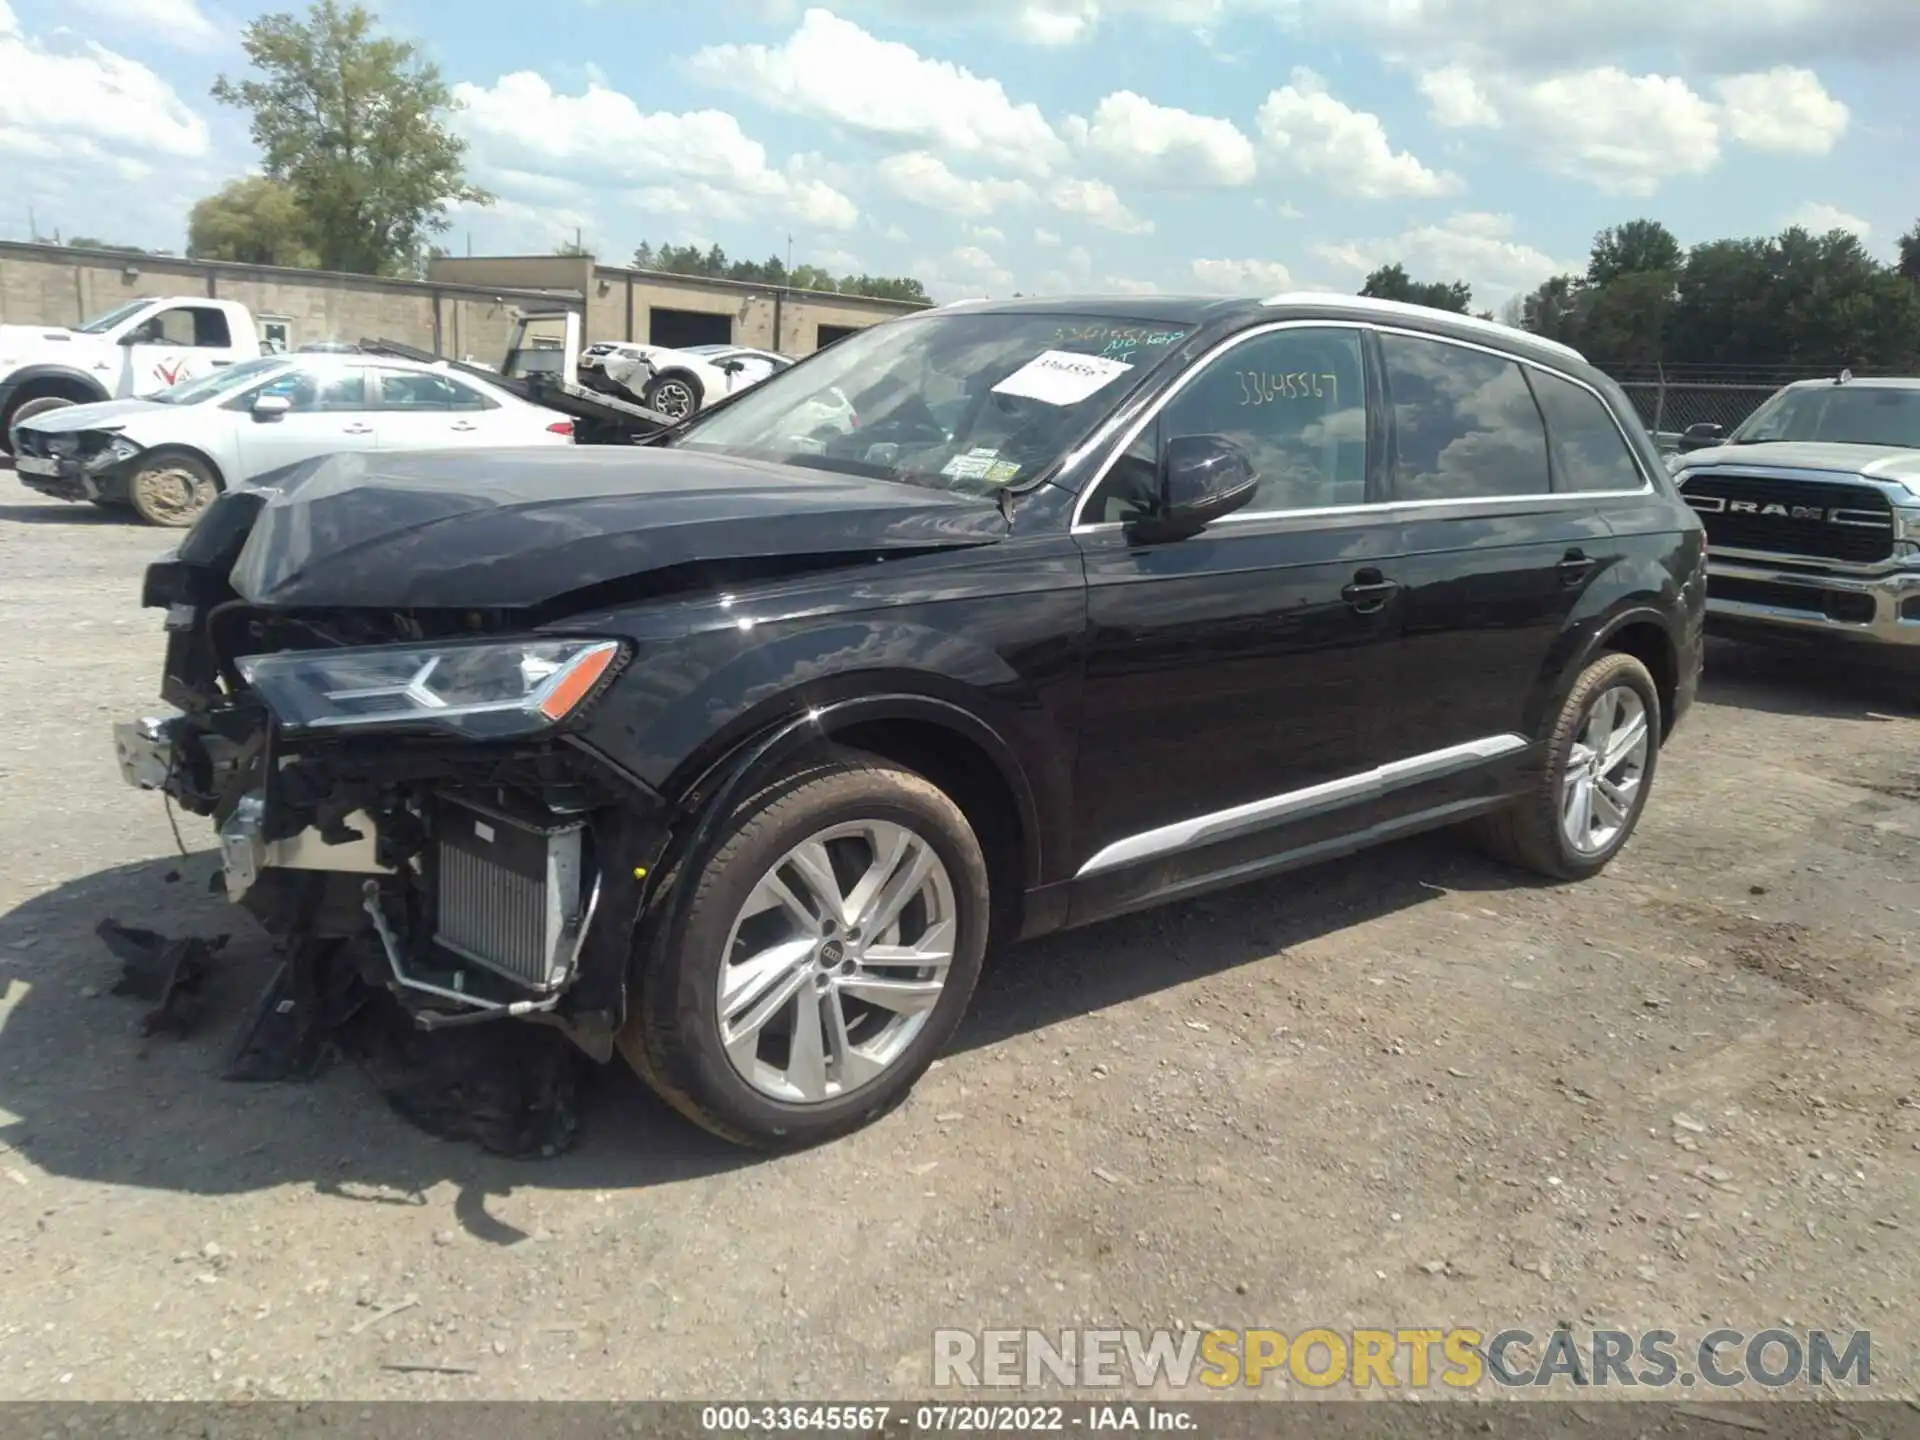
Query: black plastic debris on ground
[
  {"x": 513, "y": 1088},
  {"x": 170, "y": 974},
  {"x": 290, "y": 1035}
]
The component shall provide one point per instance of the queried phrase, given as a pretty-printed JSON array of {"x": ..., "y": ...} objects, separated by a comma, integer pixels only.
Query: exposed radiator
[{"x": 509, "y": 891}]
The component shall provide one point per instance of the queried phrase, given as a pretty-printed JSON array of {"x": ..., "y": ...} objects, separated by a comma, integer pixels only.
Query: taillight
[{"x": 560, "y": 427}]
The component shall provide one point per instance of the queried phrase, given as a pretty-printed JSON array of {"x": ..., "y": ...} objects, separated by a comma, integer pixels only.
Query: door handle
[
  {"x": 1369, "y": 591},
  {"x": 465, "y": 425},
  {"x": 1574, "y": 566},
  {"x": 356, "y": 429}
]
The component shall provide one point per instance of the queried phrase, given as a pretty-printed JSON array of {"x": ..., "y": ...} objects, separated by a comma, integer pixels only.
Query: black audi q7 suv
[{"x": 733, "y": 751}]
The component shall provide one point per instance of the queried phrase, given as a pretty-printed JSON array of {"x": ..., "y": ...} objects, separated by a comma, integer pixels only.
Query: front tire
[
  {"x": 27, "y": 409},
  {"x": 172, "y": 489},
  {"x": 824, "y": 957},
  {"x": 1593, "y": 788},
  {"x": 674, "y": 394}
]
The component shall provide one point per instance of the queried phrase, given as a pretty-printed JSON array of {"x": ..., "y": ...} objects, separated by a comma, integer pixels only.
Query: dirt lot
[{"x": 1408, "y": 1090}]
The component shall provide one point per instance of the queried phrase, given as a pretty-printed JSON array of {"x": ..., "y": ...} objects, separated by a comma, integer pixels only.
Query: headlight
[
  {"x": 1906, "y": 522},
  {"x": 116, "y": 450},
  {"x": 492, "y": 691}
]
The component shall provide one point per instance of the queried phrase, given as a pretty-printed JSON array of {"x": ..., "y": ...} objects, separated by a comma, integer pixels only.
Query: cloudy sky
[{"x": 994, "y": 145}]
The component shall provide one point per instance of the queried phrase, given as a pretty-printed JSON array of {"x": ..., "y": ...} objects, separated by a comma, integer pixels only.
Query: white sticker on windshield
[
  {"x": 973, "y": 465},
  {"x": 1059, "y": 377}
]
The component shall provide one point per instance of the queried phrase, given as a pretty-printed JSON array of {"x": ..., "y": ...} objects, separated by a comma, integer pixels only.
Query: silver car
[{"x": 168, "y": 455}]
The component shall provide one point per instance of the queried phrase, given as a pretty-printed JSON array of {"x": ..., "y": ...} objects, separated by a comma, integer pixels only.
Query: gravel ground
[{"x": 1408, "y": 1090}]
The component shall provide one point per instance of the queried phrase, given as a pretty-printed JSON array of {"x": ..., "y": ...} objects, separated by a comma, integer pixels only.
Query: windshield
[
  {"x": 219, "y": 383},
  {"x": 1839, "y": 414},
  {"x": 112, "y": 318},
  {"x": 972, "y": 402}
]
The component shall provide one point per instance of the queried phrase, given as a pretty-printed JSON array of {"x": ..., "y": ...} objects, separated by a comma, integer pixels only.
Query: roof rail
[{"x": 1403, "y": 310}]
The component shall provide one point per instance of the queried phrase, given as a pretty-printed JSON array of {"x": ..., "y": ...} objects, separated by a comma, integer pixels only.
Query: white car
[
  {"x": 168, "y": 455},
  {"x": 677, "y": 383}
]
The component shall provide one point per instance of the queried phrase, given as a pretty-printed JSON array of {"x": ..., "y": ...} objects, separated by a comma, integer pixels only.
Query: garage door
[{"x": 677, "y": 329}]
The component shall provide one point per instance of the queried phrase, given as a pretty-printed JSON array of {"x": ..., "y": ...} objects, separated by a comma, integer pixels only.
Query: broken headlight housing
[
  {"x": 497, "y": 690},
  {"x": 114, "y": 452}
]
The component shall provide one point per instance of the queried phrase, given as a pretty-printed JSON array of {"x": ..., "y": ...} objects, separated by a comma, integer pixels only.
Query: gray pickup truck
[{"x": 1812, "y": 511}]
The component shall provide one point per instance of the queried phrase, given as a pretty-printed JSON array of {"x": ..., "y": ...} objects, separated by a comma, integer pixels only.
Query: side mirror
[
  {"x": 1702, "y": 435},
  {"x": 271, "y": 407},
  {"x": 1202, "y": 477},
  {"x": 139, "y": 335},
  {"x": 733, "y": 367}
]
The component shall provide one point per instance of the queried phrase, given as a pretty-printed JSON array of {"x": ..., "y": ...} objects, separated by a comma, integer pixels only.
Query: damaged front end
[{"x": 405, "y": 786}]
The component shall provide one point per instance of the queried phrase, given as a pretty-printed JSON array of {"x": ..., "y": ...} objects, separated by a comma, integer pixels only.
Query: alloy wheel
[
  {"x": 674, "y": 399},
  {"x": 172, "y": 495},
  {"x": 1605, "y": 770},
  {"x": 836, "y": 961}
]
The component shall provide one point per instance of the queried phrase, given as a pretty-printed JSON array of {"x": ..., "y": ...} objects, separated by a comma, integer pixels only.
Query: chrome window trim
[
  {"x": 1258, "y": 815},
  {"x": 1120, "y": 439}
]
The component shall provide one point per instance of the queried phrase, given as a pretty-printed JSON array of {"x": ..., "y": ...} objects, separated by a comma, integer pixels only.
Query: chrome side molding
[{"x": 1298, "y": 804}]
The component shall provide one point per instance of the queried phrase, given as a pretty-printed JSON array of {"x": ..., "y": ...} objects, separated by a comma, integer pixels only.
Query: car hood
[
  {"x": 100, "y": 415},
  {"x": 15, "y": 340},
  {"x": 1876, "y": 462},
  {"x": 510, "y": 529}
]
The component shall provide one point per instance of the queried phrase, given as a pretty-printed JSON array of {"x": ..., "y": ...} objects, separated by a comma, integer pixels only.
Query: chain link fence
[{"x": 1668, "y": 407}]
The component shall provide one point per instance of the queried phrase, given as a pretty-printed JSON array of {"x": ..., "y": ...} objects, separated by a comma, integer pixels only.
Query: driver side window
[{"x": 1294, "y": 400}]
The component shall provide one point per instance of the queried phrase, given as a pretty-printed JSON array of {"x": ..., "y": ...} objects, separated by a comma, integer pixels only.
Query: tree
[
  {"x": 1391, "y": 282},
  {"x": 353, "y": 124},
  {"x": 1910, "y": 254},
  {"x": 1635, "y": 248},
  {"x": 713, "y": 262},
  {"x": 256, "y": 220}
]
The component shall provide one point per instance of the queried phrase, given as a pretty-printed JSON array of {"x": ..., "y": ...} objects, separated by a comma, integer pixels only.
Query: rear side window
[
  {"x": 422, "y": 390},
  {"x": 1465, "y": 425},
  {"x": 1589, "y": 452}
]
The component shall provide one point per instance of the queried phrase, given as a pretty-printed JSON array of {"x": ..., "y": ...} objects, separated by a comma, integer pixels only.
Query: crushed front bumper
[
  {"x": 64, "y": 477},
  {"x": 1748, "y": 597}
]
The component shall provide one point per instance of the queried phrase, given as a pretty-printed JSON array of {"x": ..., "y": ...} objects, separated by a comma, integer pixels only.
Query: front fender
[{"x": 17, "y": 380}]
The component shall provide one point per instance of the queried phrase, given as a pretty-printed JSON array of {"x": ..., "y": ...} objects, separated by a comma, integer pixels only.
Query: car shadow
[
  {"x": 1817, "y": 683},
  {"x": 91, "y": 1099},
  {"x": 61, "y": 513}
]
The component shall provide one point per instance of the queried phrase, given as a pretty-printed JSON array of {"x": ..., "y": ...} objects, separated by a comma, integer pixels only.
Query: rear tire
[
  {"x": 778, "y": 1015},
  {"x": 171, "y": 489},
  {"x": 1596, "y": 778}
]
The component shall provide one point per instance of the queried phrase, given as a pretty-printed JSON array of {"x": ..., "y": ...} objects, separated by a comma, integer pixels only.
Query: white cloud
[
  {"x": 1242, "y": 277},
  {"x": 1785, "y": 110},
  {"x": 1821, "y": 218},
  {"x": 86, "y": 103},
  {"x": 965, "y": 271},
  {"x": 600, "y": 136},
  {"x": 1313, "y": 134},
  {"x": 1099, "y": 203},
  {"x": 1623, "y": 133},
  {"x": 1162, "y": 145},
  {"x": 179, "y": 22},
  {"x": 987, "y": 234},
  {"x": 1717, "y": 33},
  {"x": 1474, "y": 246},
  {"x": 830, "y": 69},
  {"x": 1627, "y": 134},
  {"x": 928, "y": 180},
  {"x": 1456, "y": 100},
  {"x": 1729, "y": 33},
  {"x": 1048, "y": 238}
]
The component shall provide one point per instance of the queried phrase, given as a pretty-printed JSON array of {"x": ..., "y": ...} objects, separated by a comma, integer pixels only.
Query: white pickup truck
[{"x": 137, "y": 348}]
